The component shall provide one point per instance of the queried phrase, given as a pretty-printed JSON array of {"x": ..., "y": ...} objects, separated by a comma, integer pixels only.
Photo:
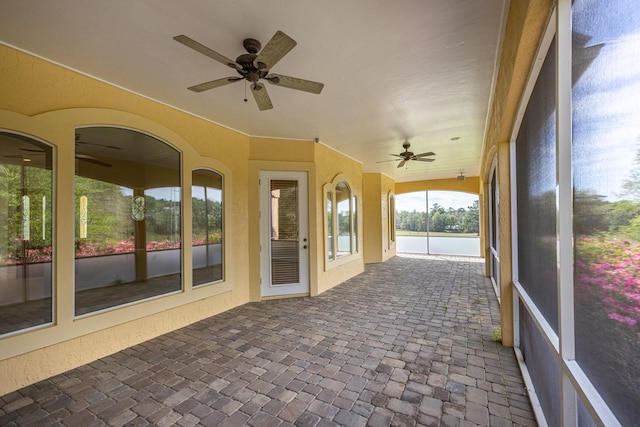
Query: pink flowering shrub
[
  {"x": 608, "y": 273},
  {"x": 88, "y": 249},
  {"x": 32, "y": 256},
  {"x": 85, "y": 249}
]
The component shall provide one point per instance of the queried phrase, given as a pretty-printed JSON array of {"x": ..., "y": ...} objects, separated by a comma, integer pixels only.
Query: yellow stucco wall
[
  {"x": 282, "y": 150},
  {"x": 526, "y": 23},
  {"x": 378, "y": 246},
  {"x": 329, "y": 165},
  {"x": 469, "y": 185},
  {"x": 47, "y": 101}
]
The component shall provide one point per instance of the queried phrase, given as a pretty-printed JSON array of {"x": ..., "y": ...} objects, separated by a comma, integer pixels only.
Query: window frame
[
  {"x": 391, "y": 219},
  {"x": 222, "y": 226},
  {"x": 80, "y": 312},
  {"x": 52, "y": 287},
  {"x": 331, "y": 223},
  {"x": 575, "y": 386}
]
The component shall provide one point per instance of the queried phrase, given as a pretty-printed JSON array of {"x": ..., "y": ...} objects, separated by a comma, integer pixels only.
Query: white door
[{"x": 284, "y": 233}]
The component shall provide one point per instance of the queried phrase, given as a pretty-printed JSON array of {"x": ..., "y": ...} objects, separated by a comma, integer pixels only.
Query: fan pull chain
[{"x": 245, "y": 90}]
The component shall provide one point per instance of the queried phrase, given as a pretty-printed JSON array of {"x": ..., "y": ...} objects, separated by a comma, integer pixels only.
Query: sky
[
  {"x": 606, "y": 113},
  {"x": 416, "y": 201}
]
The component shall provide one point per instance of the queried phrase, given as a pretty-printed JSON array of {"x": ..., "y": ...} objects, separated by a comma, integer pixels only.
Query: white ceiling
[{"x": 416, "y": 69}]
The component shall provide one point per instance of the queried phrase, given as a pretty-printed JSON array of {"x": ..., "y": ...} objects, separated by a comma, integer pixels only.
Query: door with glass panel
[{"x": 284, "y": 233}]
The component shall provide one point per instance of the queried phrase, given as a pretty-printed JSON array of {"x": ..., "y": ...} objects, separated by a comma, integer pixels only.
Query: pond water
[{"x": 439, "y": 245}]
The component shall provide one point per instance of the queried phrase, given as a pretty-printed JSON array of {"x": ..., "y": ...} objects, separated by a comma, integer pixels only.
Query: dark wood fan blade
[
  {"x": 279, "y": 45},
  {"x": 95, "y": 144},
  {"x": 214, "y": 84},
  {"x": 401, "y": 164},
  {"x": 392, "y": 160},
  {"x": 189, "y": 42},
  {"x": 261, "y": 96},
  {"x": 90, "y": 159},
  {"x": 430, "y": 153},
  {"x": 295, "y": 83},
  {"x": 420, "y": 159}
]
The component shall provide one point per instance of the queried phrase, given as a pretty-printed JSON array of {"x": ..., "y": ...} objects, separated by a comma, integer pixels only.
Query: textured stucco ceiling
[{"x": 420, "y": 70}]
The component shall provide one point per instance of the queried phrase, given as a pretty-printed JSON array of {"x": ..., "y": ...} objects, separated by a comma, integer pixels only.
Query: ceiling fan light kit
[{"x": 253, "y": 67}]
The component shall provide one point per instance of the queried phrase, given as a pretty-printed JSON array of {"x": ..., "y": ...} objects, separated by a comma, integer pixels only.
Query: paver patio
[{"x": 406, "y": 343}]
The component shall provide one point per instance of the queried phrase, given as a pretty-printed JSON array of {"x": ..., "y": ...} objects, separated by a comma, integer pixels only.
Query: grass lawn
[{"x": 433, "y": 234}]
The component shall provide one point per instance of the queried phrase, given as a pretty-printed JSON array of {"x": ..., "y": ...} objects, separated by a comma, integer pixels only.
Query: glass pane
[
  {"x": 411, "y": 222},
  {"x": 453, "y": 223},
  {"x": 343, "y": 202},
  {"x": 127, "y": 188},
  {"x": 606, "y": 173},
  {"x": 542, "y": 365},
  {"x": 330, "y": 254},
  {"x": 494, "y": 211},
  {"x": 536, "y": 194},
  {"x": 25, "y": 233},
  {"x": 206, "y": 206},
  {"x": 354, "y": 232},
  {"x": 285, "y": 258},
  {"x": 392, "y": 218}
]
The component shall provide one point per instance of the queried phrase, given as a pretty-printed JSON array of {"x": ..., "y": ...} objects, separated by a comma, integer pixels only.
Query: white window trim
[
  {"x": 335, "y": 261},
  {"x": 573, "y": 381}
]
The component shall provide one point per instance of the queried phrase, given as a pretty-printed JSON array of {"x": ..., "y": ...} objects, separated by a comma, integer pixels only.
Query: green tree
[
  {"x": 108, "y": 210},
  {"x": 631, "y": 186},
  {"x": 35, "y": 183},
  {"x": 442, "y": 221},
  {"x": 590, "y": 213},
  {"x": 471, "y": 219},
  {"x": 621, "y": 213}
]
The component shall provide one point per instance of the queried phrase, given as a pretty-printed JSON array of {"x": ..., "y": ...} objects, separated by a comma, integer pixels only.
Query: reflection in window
[
  {"x": 354, "y": 225},
  {"x": 536, "y": 198},
  {"x": 343, "y": 204},
  {"x": 392, "y": 219},
  {"x": 345, "y": 221},
  {"x": 330, "y": 225},
  {"x": 127, "y": 187},
  {"x": 606, "y": 222},
  {"x": 536, "y": 231},
  {"x": 206, "y": 205},
  {"x": 25, "y": 233}
]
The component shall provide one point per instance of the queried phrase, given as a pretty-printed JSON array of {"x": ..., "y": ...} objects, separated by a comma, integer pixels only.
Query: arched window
[
  {"x": 329, "y": 219},
  {"x": 391, "y": 215},
  {"x": 128, "y": 218},
  {"x": 341, "y": 220},
  {"x": 26, "y": 188},
  {"x": 208, "y": 225},
  {"x": 343, "y": 211}
]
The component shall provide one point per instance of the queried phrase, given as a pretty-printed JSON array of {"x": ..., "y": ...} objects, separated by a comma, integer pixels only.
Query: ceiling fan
[
  {"x": 253, "y": 67},
  {"x": 95, "y": 144},
  {"x": 35, "y": 152},
  {"x": 407, "y": 155}
]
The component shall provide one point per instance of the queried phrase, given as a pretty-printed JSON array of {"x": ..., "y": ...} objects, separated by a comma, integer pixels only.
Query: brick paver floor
[{"x": 406, "y": 343}]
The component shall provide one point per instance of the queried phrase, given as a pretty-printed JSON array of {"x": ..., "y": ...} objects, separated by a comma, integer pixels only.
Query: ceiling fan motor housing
[
  {"x": 252, "y": 46},
  {"x": 249, "y": 70}
]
